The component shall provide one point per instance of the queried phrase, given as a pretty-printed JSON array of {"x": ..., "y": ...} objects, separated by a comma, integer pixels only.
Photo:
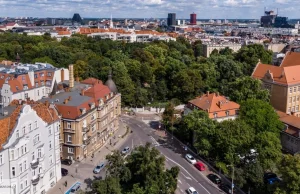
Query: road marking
[
  {"x": 189, "y": 185},
  {"x": 179, "y": 181},
  {"x": 187, "y": 173},
  {"x": 138, "y": 125},
  {"x": 181, "y": 190},
  {"x": 154, "y": 142},
  {"x": 189, "y": 178}
]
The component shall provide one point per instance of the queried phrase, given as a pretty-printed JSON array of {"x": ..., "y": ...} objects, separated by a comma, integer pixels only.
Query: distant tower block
[
  {"x": 111, "y": 24},
  {"x": 71, "y": 76},
  {"x": 193, "y": 19},
  {"x": 76, "y": 18}
]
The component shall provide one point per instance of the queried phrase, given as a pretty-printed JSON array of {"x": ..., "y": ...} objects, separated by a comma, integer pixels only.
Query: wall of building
[
  {"x": 24, "y": 150},
  {"x": 290, "y": 143},
  {"x": 278, "y": 97}
]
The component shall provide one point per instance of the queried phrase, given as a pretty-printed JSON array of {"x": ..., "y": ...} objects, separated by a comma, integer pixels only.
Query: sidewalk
[{"x": 83, "y": 171}]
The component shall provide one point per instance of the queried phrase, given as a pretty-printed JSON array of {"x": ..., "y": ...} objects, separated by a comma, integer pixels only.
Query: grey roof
[
  {"x": 77, "y": 98},
  {"x": 8, "y": 110},
  {"x": 111, "y": 84}
]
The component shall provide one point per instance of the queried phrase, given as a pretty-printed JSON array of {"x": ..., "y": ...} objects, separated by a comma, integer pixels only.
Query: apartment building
[
  {"x": 34, "y": 81},
  {"x": 218, "y": 107},
  {"x": 89, "y": 115},
  {"x": 29, "y": 148},
  {"x": 207, "y": 48},
  {"x": 283, "y": 82}
]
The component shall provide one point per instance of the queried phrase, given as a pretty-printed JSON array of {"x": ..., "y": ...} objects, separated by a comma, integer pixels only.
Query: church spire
[{"x": 111, "y": 25}]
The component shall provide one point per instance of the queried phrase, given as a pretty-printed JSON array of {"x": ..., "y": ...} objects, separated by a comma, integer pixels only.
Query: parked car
[
  {"x": 214, "y": 178},
  {"x": 125, "y": 150},
  {"x": 192, "y": 190},
  {"x": 226, "y": 188},
  {"x": 200, "y": 166},
  {"x": 66, "y": 162},
  {"x": 270, "y": 178},
  {"x": 64, "y": 172},
  {"x": 75, "y": 188},
  {"x": 190, "y": 158},
  {"x": 98, "y": 168}
]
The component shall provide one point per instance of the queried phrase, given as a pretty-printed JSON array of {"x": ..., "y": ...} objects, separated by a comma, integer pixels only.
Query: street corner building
[
  {"x": 89, "y": 112},
  {"x": 29, "y": 147}
]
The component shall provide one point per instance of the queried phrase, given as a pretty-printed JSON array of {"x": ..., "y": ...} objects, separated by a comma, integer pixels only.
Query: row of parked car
[{"x": 212, "y": 177}]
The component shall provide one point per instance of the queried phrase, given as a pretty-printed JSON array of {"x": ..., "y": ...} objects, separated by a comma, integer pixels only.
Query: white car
[
  {"x": 125, "y": 150},
  {"x": 190, "y": 158},
  {"x": 192, "y": 190}
]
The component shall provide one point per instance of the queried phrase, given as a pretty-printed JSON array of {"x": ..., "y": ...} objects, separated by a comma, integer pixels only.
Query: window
[
  {"x": 26, "y": 95},
  {"x": 25, "y": 165},
  {"x": 33, "y": 155},
  {"x": 70, "y": 150},
  {"x": 34, "y": 188},
  {"x": 24, "y": 130},
  {"x": 227, "y": 113},
  {"x": 35, "y": 124},
  {"x": 17, "y": 134},
  {"x": 29, "y": 127},
  {"x": 50, "y": 131},
  {"x": 20, "y": 168},
  {"x": 51, "y": 159},
  {"x": 293, "y": 109},
  {"x": 298, "y": 88},
  {"x": 297, "y": 108},
  {"x": 38, "y": 93},
  {"x": 23, "y": 77},
  {"x": 93, "y": 116},
  {"x": 41, "y": 74},
  {"x": 35, "y": 75},
  {"x": 50, "y": 145},
  {"x": 69, "y": 138},
  {"x": 39, "y": 153},
  {"x": 36, "y": 139},
  {"x": 12, "y": 154},
  {"x": 25, "y": 148},
  {"x": 36, "y": 84},
  {"x": 291, "y": 90},
  {"x": 290, "y": 99},
  {"x": 21, "y": 186},
  {"x": 1, "y": 159},
  {"x": 13, "y": 171},
  {"x": 49, "y": 74},
  {"x": 289, "y": 110},
  {"x": 18, "y": 152},
  {"x": 68, "y": 125},
  {"x": 1, "y": 177},
  {"x": 26, "y": 183},
  {"x": 215, "y": 115},
  {"x": 294, "y": 99},
  {"x": 297, "y": 98},
  {"x": 22, "y": 150},
  {"x": 51, "y": 174},
  {"x": 295, "y": 89},
  {"x": 93, "y": 127},
  {"x": 60, "y": 148}
]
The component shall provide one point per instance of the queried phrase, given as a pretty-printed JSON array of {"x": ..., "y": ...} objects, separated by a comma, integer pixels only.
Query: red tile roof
[
  {"x": 291, "y": 59},
  {"x": 215, "y": 103}
]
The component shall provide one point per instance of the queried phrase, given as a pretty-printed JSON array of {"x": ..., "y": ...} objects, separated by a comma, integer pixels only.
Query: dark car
[
  {"x": 270, "y": 178},
  {"x": 66, "y": 162},
  {"x": 226, "y": 188},
  {"x": 64, "y": 172},
  {"x": 214, "y": 178}
]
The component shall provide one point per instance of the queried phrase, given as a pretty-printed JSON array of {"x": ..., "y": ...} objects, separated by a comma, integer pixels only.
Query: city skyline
[{"x": 205, "y": 9}]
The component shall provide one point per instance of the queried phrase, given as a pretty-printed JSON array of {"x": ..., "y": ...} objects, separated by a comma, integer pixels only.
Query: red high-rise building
[{"x": 193, "y": 20}]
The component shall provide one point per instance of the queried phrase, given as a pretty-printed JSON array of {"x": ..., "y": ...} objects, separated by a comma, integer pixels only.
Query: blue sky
[{"x": 205, "y": 9}]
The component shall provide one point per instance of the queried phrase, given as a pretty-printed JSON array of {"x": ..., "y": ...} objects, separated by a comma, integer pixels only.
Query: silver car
[{"x": 125, "y": 150}]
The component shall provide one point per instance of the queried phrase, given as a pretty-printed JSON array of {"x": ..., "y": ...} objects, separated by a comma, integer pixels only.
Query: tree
[
  {"x": 109, "y": 185},
  {"x": 261, "y": 116},
  {"x": 116, "y": 166},
  {"x": 169, "y": 115},
  {"x": 247, "y": 88},
  {"x": 203, "y": 130},
  {"x": 250, "y": 55},
  {"x": 226, "y": 51},
  {"x": 289, "y": 168}
]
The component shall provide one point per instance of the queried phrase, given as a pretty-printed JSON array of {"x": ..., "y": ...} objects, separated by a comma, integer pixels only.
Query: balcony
[
  {"x": 69, "y": 130},
  {"x": 86, "y": 129},
  {"x": 87, "y": 140},
  {"x": 35, "y": 179},
  {"x": 34, "y": 164}
]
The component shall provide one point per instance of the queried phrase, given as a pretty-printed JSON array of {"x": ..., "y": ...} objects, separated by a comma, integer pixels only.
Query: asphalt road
[{"x": 174, "y": 153}]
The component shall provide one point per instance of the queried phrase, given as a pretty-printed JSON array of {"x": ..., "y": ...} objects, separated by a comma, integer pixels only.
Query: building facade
[
  {"x": 89, "y": 113},
  {"x": 193, "y": 19},
  {"x": 207, "y": 48},
  {"x": 283, "y": 82},
  {"x": 30, "y": 149},
  {"x": 34, "y": 81},
  {"x": 218, "y": 107}
]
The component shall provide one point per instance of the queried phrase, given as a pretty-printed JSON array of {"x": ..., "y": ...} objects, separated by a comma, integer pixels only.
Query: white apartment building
[
  {"x": 30, "y": 149},
  {"x": 34, "y": 81}
]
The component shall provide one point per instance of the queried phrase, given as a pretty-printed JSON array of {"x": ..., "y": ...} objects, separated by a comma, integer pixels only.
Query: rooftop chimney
[
  {"x": 77, "y": 79},
  {"x": 218, "y": 94},
  {"x": 47, "y": 103},
  {"x": 66, "y": 101},
  {"x": 82, "y": 92},
  {"x": 71, "y": 76},
  {"x": 207, "y": 93},
  {"x": 62, "y": 75}
]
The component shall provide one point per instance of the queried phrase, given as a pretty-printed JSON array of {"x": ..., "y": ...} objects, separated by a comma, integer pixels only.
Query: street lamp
[{"x": 232, "y": 177}]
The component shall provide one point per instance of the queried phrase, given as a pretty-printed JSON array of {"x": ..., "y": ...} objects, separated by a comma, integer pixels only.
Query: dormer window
[
  {"x": 36, "y": 84},
  {"x": 83, "y": 110},
  {"x": 25, "y": 87},
  {"x": 227, "y": 113},
  {"x": 106, "y": 97},
  {"x": 17, "y": 88},
  {"x": 92, "y": 105},
  {"x": 215, "y": 115},
  {"x": 49, "y": 74},
  {"x": 2, "y": 76},
  {"x": 111, "y": 94},
  {"x": 101, "y": 101}
]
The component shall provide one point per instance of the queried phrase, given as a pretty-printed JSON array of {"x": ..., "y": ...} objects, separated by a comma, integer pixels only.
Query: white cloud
[{"x": 146, "y": 8}]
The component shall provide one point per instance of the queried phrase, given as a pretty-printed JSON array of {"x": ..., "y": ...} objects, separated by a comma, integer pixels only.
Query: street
[{"x": 173, "y": 151}]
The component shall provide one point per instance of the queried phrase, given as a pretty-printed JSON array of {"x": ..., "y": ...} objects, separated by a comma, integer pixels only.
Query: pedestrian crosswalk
[{"x": 154, "y": 142}]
